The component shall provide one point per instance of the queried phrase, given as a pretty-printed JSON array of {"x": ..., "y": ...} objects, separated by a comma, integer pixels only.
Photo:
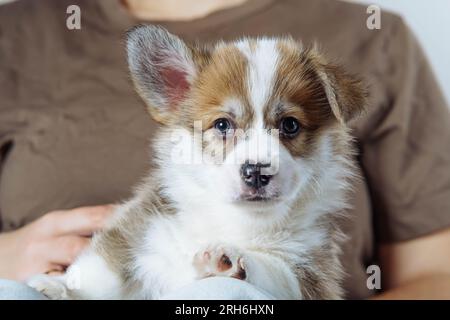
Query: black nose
[{"x": 251, "y": 174}]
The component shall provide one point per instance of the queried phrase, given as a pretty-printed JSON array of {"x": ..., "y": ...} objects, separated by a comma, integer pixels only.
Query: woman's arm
[
  {"x": 50, "y": 243},
  {"x": 417, "y": 269}
]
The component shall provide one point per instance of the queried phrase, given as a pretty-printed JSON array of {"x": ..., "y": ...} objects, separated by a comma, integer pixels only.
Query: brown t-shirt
[{"x": 73, "y": 132}]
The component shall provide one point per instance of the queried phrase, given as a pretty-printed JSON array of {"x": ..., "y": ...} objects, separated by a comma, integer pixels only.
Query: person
[{"x": 73, "y": 133}]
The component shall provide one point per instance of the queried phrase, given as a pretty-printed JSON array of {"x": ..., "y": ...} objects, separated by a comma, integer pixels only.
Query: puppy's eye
[
  {"x": 223, "y": 126},
  {"x": 289, "y": 126}
]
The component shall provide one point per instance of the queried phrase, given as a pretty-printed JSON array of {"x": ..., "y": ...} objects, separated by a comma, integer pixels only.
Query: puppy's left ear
[{"x": 346, "y": 93}]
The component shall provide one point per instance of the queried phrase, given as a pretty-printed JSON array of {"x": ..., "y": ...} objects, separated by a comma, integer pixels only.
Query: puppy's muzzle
[{"x": 253, "y": 177}]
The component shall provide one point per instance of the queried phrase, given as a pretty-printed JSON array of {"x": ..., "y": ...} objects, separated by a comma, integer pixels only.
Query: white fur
[
  {"x": 208, "y": 213},
  {"x": 97, "y": 280},
  {"x": 89, "y": 277},
  {"x": 262, "y": 65}
]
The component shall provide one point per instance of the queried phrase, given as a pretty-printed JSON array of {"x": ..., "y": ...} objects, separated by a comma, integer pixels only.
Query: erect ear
[
  {"x": 162, "y": 69},
  {"x": 346, "y": 93}
]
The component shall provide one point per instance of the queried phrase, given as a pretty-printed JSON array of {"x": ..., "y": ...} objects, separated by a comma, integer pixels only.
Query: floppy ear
[
  {"x": 162, "y": 69},
  {"x": 346, "y": 93}
]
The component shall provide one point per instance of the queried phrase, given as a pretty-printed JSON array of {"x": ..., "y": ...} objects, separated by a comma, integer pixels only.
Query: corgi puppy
[{"x": 252, "y": 163}]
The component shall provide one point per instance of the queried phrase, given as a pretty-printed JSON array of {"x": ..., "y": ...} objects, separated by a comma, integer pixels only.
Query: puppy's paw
[
  {"x": 220, "y": 261},
  {"x": 50, "y": 286}
]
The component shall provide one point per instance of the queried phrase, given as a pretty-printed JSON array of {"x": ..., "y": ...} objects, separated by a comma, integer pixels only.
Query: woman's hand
[{"x": 50, "y": 243}]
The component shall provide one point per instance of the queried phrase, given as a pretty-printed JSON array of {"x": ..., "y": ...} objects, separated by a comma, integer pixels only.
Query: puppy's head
[{"x": 266, "y": 116}]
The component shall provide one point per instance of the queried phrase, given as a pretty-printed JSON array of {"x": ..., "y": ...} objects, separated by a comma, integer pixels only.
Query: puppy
[{"x": 252, "y": 163}]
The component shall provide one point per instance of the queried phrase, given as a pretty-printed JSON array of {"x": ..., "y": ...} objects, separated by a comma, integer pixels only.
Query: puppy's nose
[{"x": 251, "y": 174}]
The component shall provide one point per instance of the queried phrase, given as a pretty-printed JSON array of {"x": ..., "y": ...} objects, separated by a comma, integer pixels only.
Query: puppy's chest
[
  {"x": 186, "y": 236},
  {"x": 180, "y": 238}
]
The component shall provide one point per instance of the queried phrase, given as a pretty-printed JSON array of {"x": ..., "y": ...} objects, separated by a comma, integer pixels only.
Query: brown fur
[
  {"x": 321, "y": 278},
  {"x": 116, "y": 243},
  {"x": 223, "y": 78}
]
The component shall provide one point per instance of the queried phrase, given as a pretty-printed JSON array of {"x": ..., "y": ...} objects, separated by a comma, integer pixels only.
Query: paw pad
[{"x": 220, "y": 262}]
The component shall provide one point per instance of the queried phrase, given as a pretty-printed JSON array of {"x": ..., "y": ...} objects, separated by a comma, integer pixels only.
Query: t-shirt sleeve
[
  {"x": 4, "y": 127},
  {"x": 406, "y": 156},
  {"x": 11, "y": 111}
]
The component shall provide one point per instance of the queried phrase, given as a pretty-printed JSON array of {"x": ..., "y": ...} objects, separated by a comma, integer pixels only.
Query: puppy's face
[{"x": 265, "y": 117}]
